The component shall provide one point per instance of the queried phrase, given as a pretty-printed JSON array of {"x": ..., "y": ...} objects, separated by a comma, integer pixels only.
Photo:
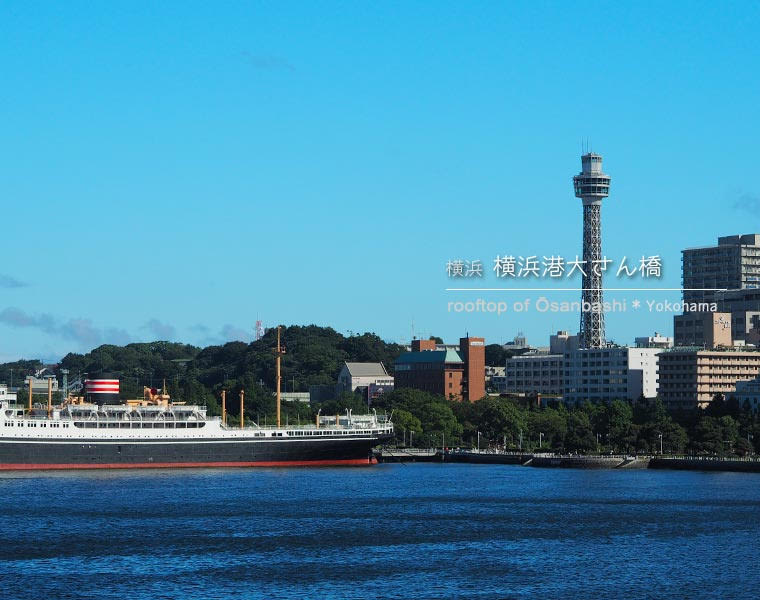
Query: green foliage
[
  {"x": 548, "y": 426},
  {"x": 580, "y": 438},
  {"x": 501, "y": 418},
  {"x": 16, "y": 371},
  {"x": 346, "y": 401},
  {"x": 314, "y": 356},
  {"x": 434, "y": 413},
  {"x": 497, "y": 355}
]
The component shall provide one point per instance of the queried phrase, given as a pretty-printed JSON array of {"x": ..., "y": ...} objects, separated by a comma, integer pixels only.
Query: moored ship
[{"x": 98, "y": 431}]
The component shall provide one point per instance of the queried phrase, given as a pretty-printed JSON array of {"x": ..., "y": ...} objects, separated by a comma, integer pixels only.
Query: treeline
[
  {"x": 425, "y": 420},
  {"x": 314, "y": 356}
]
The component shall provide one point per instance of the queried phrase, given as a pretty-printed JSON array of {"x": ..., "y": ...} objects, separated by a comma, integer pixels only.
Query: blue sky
[{"x": 177, "y": 171}]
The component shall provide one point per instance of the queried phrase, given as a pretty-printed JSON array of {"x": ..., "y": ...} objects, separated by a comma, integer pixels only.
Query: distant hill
[{"x": 314, "y": 355}]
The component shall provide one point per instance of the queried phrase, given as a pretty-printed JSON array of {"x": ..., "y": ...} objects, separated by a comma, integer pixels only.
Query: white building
[
  {"x": 532, "y": 374},
  {"x": 610, "y": 373},
  {"x": 654, "y": 341},
  {"x": 360, "y": 375},
  {"x": 5, "y": 395}
]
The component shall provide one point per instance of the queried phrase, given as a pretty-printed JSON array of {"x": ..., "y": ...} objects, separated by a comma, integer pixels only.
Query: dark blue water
[{"x": 391, "y": 531}]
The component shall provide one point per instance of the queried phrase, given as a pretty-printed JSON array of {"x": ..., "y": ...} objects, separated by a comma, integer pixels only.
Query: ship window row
[
  {"x": 139, "y": 425},
  {"x": 21, "y": 424},
  {"x": 309, "y": 433}
]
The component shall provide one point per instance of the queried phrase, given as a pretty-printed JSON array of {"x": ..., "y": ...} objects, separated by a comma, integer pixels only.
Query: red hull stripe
[{"x": 185, "y": 465}]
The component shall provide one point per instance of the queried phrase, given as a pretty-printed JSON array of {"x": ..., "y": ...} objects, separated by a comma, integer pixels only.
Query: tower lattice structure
[{"x": 592, "y": 186}]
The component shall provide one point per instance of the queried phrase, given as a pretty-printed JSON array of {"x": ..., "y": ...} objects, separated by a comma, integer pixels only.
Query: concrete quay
[{"x": 525, "y": 459}]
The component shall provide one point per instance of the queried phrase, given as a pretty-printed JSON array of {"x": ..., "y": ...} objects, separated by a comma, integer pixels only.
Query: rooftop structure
[{"x": 654, "y": 341}]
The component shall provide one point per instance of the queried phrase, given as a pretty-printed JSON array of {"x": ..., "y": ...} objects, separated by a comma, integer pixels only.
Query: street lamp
[
  {"x": 540, "y": 439},
  {"x": 661, "y": 444},
  {"x": 478, "y": 441}
]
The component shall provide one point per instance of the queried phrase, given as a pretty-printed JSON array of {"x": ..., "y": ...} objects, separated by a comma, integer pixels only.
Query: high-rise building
[
  {"x": 692, "y": 377},
  {"x": 728, "y": 276},
  {"x": 733, "y": 264},
  {"x": 592, "y": 186}
]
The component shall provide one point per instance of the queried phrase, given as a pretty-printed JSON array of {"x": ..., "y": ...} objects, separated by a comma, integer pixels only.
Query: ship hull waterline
[{"x": 18, "y": 455}]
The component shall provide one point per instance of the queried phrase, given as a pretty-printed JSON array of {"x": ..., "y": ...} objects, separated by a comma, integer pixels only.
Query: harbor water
[{"x": 412, "y": 531}]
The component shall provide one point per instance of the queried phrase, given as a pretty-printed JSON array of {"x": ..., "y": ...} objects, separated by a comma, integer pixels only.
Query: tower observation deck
[{"x": 592, "y": 186}]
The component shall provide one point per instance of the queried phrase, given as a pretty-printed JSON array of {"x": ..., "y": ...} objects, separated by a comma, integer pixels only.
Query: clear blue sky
[{"x": 174, "y": 171}]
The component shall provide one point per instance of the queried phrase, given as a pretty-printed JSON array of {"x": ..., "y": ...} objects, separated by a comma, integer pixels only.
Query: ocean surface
[{"x": 389, "y": 531}]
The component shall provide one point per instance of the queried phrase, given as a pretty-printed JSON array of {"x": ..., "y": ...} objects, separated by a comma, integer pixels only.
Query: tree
[
  {"x": 496, "y": 355},
  {"x": 707, "y": 436},
  {"x": 500, "y": 417},
  {"x": 404, "y": 422},
  {"x": 674, "y": 438},
  {"x": 434, "y": 413},
  {"x": 549, "y": 422},
  {"x": 622, "y": 431},
  {"x": 579, "y": 436}
]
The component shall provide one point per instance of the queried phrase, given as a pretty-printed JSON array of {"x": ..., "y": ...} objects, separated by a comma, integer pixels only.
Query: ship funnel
[{"x": 103, "y": 390}]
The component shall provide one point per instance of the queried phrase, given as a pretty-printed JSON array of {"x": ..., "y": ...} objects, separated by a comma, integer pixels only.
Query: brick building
[{"x": 457, "y": 375}]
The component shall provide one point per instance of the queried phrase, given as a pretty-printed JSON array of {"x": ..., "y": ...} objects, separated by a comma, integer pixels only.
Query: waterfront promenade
[{"x": 548, "y": 460}]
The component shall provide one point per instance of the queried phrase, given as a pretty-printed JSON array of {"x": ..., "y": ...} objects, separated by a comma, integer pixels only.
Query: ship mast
[{"x": 278, "y": 353}]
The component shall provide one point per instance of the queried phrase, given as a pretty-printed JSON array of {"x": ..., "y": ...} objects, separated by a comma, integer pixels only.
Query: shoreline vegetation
[{"x": 315, "y": 355}]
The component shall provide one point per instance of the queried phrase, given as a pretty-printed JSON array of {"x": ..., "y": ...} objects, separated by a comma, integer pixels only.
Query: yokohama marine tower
[{"x": 592, "y": 186}]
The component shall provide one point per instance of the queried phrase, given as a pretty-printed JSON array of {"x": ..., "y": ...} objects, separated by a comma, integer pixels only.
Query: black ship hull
[{"x": 25, "y": 454}]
